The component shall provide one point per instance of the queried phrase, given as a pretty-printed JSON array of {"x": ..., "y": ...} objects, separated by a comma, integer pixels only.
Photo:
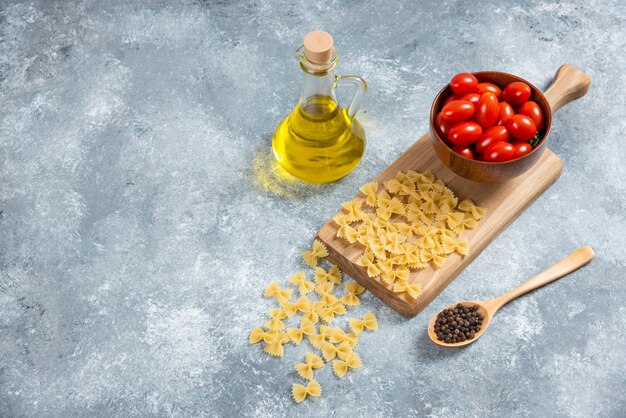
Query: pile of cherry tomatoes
[{"x": 482, "y": 122}]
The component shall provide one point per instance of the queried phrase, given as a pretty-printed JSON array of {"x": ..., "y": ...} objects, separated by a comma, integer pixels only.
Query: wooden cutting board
[{"x": 504, "y": 201}]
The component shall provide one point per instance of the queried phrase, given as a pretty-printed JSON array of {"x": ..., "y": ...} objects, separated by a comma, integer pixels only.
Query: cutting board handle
[{"x": 568, "y": 84}]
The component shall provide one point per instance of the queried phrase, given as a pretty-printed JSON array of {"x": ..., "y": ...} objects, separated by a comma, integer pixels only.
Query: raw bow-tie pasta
[
  {"x": 303, "y": 304},
  {"x": 296, "y": 334},
  {"x": 304, "y": 286},
  {"x": 414, "y": 221},
  {"x": 369, "y": 190},
  {"x": 332, "y": 275},
  {"x": 344, "y": 225},
  {"x": 275, "y": 346},
  {"x": 353, "y": 209},
  {"x": 330, "y": 350},
  {"x": 368, "y": 322},
  {"x": 367, "y": 260},
  {"x": 412, "y": 289},
  {"x": 351, "y": 297},
  {"x": 317, "y": 340},
  {"x": 274, "y": 290},
  {"x": 327, "y": 313},
  {"x": 258, "y": 334},
  {"x": 341, "y": 367},
  {"x": 477, "y": 212},
  {"x": 317, "y": 301},
  {"x": 325, "y": 291},
  {"x": 276, "y": 323},
  {"x": 300, "y": 392},
  {"x": 451, "y": 245},
  {"x": 393, "y": 275},
  {"x": 311, "y": 362},
  {"x": 318, "y": 250}
]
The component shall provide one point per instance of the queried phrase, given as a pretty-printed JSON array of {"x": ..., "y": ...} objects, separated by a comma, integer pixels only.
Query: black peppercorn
[{"x": 458, "y": 324}]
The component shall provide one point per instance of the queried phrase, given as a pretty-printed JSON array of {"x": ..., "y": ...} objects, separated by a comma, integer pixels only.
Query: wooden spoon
[{"x": 488, "y": 308}]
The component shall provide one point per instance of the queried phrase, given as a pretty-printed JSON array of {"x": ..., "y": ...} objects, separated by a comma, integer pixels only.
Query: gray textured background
[{"x": 139, "y": 224}]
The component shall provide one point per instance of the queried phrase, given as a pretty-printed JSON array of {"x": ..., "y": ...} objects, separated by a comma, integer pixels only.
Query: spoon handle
[{"x": 572, "y": 262}]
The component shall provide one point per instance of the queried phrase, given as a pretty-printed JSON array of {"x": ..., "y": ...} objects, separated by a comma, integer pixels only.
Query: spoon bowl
[
  {"x": 488, "y": 308},
  {"x": 482, "y": 310}
]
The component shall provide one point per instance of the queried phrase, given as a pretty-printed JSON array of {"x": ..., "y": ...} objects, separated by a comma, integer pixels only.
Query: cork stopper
[{"x": 318, "y": 47}]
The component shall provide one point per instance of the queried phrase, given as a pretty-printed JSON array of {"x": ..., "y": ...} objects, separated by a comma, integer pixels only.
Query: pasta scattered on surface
[
  {"x": 368, "y": 322},
  {"x": 306, "y": 328},
  {"x": 311, "y": 363},
  {"x": 304, "y": 286},
  {"x": 317, "y": 307},
  {"x": 341, "y": 367},
  {"x": 406, "y": 223},
  {"x": 300, "y": 392},
  {"x": 318, "y": 250},
  {"x": 350, "y": 298}
]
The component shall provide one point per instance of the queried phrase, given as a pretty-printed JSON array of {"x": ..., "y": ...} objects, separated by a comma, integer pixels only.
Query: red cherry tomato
[
  {"x": 464, "y": 83},
  {"x": 500, "y": 151},
  {"x": 533, "y": 111},
  {"x": 521, "y": 148},
  {"x": 465, "y": 133},
  {"x": 487, "y": 110},
  {"x": 451, "y": 98},
  {"x": 521, "y": 127},
  {"x": 506, "y": 111},
  {"x": 464, "y": 151},
  {"x": 491, "y": 136},
  {"x": 457, "y": 111},
  {"x": 489, "y": 88},
  {"x": 516, "y": 93},
  {"x": 471, "y": 97},
  {"x": 443, "y": 128}
]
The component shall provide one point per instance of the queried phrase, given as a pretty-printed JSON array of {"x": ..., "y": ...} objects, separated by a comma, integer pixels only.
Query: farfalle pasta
[
  {"x": 275, "y": 323},
  {"x": 414, "y": 290},
  {"x": 318, "y": 250},
  {"x": 333, "y": 275},
  {"x": 299, "y": 279},
  {"x": 319, "y": 300},
  {"x": 273, "y": 290},
  {"x": 312, "y": 362},
  {"x": 370, "y": 190},
  {"x": 327, "y": 313},
  {"x": 296, "y": 334},
  {"x": 368, "y": 261},
  {"x": 300, "y": 392},
  {"x": 351, "y": 298},
  {"x": 369, "y": 321},
  {"x": 341, "y": 367},
  {"x": 330, "y": 350},
  {"x": 413, "y": 221},
  {"x": 477, "y": 212},
  {"x": 276, "y": 344}
]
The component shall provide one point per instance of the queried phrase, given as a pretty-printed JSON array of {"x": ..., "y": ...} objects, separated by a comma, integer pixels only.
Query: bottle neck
[{"x": 318, "y": 85}]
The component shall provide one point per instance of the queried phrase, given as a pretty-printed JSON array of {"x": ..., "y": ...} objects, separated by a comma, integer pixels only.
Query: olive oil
[{"x": 318, "y": 141}]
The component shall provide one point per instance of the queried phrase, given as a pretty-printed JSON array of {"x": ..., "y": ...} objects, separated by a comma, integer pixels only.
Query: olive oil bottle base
[{"x": 318, "y": 142}]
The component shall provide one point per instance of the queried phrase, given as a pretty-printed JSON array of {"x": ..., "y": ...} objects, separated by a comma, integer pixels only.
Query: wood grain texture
[{"x": 505, "y": 201}]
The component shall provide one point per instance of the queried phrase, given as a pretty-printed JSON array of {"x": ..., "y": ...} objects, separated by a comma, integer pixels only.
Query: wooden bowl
[{"x": 481, "y": 171}]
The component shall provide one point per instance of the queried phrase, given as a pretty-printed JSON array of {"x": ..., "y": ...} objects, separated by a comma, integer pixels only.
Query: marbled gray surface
[{"x": 139, "y": 222}]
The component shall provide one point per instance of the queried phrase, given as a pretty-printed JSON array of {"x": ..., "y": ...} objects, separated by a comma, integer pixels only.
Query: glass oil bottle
[{"x": 319, "y": 141}]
